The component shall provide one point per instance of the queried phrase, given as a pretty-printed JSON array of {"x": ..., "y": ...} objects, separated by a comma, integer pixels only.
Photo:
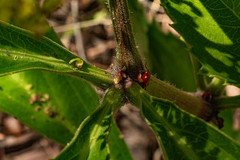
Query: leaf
[
  {"x": 20, "y": 50},
  {"x": 169, "y": 59},
  {"x": 210, "y": 27},
  {"x": 181, "y": 133},
  {"x": 65, "y": 103},
  {"x": 117, "y": 145},
  {"x": 140, "y": 26},
  {"x": 90, "y": 140},
  {"x": 70, "y": 106}
]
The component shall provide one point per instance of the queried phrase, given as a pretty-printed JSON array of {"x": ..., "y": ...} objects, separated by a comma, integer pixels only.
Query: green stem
[
  {"x": 224, "y": 103},
  {"x": 200, "y": 80},
  {"x": 101, "y": 80},
  {"x": 184, "y": 100},
  {"x": 128, "y": 56},
  {"x": 127, "y": 52},
  {"x": 216, "y": 87}
]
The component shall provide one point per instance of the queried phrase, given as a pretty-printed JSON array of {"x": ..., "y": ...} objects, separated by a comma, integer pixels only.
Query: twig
[
  {"x": 77, "y": 31},
  {"x": 84, "y": 24}
]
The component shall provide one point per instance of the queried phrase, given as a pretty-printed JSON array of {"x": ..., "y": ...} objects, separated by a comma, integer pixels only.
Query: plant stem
[
  {"x": 127, "y": 52},
  {"x": 216, "y": 87},
  {"x": 227, "y": 102},
  {"x": 102, "y": 81},
  {"x": 128, "y": 57},
  {"x": 184, "y": 100},
  {"x": 200, "y": 80}
]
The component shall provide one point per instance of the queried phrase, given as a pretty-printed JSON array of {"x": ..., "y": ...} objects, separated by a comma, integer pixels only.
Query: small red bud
[
  {"x": 207, "y": 96},
  {"x": 120, "y": 73},
  {"x": 146, "y": 77}
]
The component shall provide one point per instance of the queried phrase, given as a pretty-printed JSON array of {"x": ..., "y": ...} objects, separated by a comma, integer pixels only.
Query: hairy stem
[
  {"x": 223, "y": 103},
  {"x": 127, "y": 52},
  {"x": 186, "y": 101},
  {"x": 128, "y": 57},
  {"x": 200, "y": 80}
]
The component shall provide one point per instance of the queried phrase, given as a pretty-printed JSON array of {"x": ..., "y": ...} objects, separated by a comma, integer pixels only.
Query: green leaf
[
  {"x": 117, "y": 145},
  {"x": 211, "y": 28},
  {"x": 90, "y": 140},
  {"x": 140, "y": 26},
  {"x": 20, "y": 50},
  {"x": 181, "y": 133},
  {"x": 70, "y": 101},
  {"x": 169, "y": 59}
]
